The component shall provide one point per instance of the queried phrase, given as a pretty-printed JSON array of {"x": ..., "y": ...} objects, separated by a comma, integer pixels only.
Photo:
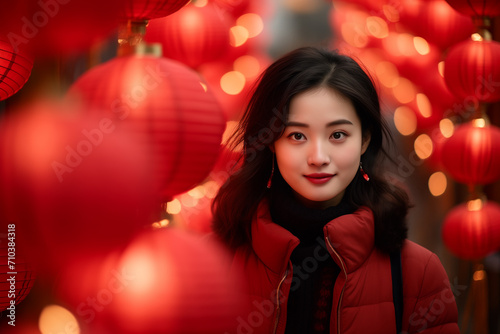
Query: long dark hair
[{"x": 263, "y": 123}]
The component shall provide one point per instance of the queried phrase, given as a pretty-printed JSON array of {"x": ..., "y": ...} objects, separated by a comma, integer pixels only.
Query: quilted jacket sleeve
[{"x": 430, "y": 307}]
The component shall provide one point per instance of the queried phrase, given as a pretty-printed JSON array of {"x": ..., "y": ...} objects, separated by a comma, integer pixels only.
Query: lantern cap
[
  {"x": 131, "y": 40},
  {"x": 482, "y": 35},
  {"x": 483, "y": 25}
]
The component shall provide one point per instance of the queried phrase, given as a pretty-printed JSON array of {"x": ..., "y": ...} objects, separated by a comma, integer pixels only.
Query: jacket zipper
[
  {"x": 278, "y": 309},
  {"x": 342, "y": 292}
]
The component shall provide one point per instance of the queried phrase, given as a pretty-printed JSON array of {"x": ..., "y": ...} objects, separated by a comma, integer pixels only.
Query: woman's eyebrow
[{"x": 333, "y": 123}]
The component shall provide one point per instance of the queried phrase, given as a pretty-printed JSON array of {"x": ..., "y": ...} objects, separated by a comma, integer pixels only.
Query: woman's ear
[
  {"x": 271, "y": 147},
  {"x": 366, "y": 142}
]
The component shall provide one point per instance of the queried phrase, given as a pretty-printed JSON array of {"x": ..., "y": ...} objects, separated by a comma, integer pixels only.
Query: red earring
[
  {"x": 365, "y": 176},
  {"x": 271, "y": 177}
]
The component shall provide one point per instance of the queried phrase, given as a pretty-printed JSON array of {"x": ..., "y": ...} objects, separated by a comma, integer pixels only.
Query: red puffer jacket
[{"x": 362, "y": 295}]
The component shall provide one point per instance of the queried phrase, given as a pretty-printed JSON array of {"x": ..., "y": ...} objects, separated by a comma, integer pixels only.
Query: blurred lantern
[
  {"x": 472, "y": 70},
  {"x": 470, "y": 155},
  {"x": 234, "y": 8},
  {"x": 166, "y": 281},
  {"x": 476, "y": 8},
  {"x": 193, "y": 35},
  {"x": 165, "y": 103},
  {"x": 197, "y": 218},
  {"x": 147, "y": 9},
  {"x": 472, "y": 230},
  {"x": 436, "y": 22},
  {"x": 15, "y": 69},
  {"x": 92, "y": 278},
  {"x": 73, "y": 186},
  {"x": 48, "y": 28},
  {"x": 13, "y": 264}
]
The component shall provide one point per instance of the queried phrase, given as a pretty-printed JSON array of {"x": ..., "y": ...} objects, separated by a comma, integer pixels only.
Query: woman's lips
[{"x": 319, "y": 178}]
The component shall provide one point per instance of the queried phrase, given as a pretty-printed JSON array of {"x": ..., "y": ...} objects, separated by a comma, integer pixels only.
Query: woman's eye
[
  {"x": 296, "y": 136},
  {"x": 338, "y": 135}
]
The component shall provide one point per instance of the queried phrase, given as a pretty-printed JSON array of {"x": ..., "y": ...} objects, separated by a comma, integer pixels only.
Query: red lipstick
[{"x": 319, "y": 178}]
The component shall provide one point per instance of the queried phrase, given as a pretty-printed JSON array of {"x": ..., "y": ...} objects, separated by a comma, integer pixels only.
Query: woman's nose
[{"x": 318, "y": 154}]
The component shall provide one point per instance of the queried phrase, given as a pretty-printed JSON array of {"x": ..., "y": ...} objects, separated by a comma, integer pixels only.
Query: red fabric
[{"x": 362, "y": 294}]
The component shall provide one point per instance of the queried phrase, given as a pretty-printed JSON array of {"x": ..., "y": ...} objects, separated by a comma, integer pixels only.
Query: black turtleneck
[{"x": 314, "y": 271}]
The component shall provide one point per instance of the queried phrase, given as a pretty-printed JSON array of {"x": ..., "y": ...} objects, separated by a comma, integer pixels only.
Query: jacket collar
[
  {"x": 352, "y": 236},
  {"x": 272, "y": 243}
]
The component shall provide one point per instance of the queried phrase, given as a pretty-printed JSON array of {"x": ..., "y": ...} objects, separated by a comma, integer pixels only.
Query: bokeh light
[
  {"x": 437, "y": 183},
  {"x": 424, "y": 105},
  {"x": 238, "y": 36},
  {"x": 174, "y": 206},
  {"x": 57, "y": 319},
  {"x": 248, "y": 65},
  {"x": 404, "y": 91},
  {"x": 232, "y": 82},
  {"x": 423, "y": 146},
  {"x": 251, "y": 22},
  {"x": 405, "y": 120},
  {"x": 446, "y": 127}
]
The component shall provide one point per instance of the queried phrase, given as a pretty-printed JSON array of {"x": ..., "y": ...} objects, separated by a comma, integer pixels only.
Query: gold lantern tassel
[{"x": 476, "y": 305}]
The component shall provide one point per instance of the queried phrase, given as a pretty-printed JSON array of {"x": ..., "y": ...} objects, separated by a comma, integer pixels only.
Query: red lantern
[
  {"x": 476, "y": 8},
  {"x": 58, "y": 26},
  {"x": 73, "y": 186},
  {"x": 16, "y": 275},
  {"x": 196, "y": 218},
  {"x": 15, "y": 69},
  {"x": 472, "y": 230},
  {"x": 436, "y": 21},
  {"x": 471, "y": 154},
  {"x": 166, "y": 281},
  {"x": 472, "y": 70},
  {"x": 235, "y": 8},
  {"x": 147, "y": 9},
  {"x": 164, "y": 102},
  {"x": 193, "y": 36}
]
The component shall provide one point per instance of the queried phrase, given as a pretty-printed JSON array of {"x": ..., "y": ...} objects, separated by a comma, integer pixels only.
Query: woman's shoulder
[
  {"x": 429, "y": 302},
  {"x": 423, "y": 272},
  {"x": 411, "y": 251}
]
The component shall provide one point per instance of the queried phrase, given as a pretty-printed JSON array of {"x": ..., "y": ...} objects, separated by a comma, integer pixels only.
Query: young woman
[{"x": 311, "y": 220}]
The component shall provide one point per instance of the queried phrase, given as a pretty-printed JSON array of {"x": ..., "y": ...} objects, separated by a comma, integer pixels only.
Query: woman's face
[{"x": 319, "y": 152}]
